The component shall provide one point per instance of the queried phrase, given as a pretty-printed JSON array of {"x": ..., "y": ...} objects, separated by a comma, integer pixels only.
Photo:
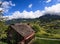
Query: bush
[
  {"x": 3, "y": 28},
  {"x": 3, "y": 42}
]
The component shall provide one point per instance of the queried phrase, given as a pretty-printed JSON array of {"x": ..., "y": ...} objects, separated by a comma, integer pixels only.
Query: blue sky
[
  {"x": 22, "y": 5},
  {"x": 25, "y": 8}
]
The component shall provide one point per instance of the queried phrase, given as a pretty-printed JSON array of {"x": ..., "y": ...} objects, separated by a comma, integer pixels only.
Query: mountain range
[{"x": 44, "y": 18}]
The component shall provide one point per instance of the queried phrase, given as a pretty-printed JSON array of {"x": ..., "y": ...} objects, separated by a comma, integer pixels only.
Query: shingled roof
[{"x": 23, "y": 29}]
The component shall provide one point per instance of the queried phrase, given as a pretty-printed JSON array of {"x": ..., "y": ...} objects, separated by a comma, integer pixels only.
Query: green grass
[{"x": 40, "y": 41}]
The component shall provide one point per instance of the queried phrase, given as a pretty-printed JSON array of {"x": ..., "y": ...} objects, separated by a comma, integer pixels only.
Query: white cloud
[
  {"x": 36, "y": 14},
  {"x": 30, "y": 6},
  {"x": 1, "y": 9},
  {"x": 11, "y": 3},
  {"x": 25, "y": 14},
  {"x": 53, "y": 9},
  {"x": 6, "y": 5},
  {"x": 48, "y": 1}
]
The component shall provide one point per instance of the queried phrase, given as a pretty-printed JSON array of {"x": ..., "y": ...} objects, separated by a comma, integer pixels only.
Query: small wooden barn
[{"x": 20, "y": 34}]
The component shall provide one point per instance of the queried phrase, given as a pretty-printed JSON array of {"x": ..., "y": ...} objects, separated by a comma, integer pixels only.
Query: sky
[{"x": 14, "y": 9}]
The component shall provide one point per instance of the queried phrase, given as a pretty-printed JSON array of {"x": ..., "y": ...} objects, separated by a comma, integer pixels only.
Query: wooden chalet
[{"x": 21, "y": 33}]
